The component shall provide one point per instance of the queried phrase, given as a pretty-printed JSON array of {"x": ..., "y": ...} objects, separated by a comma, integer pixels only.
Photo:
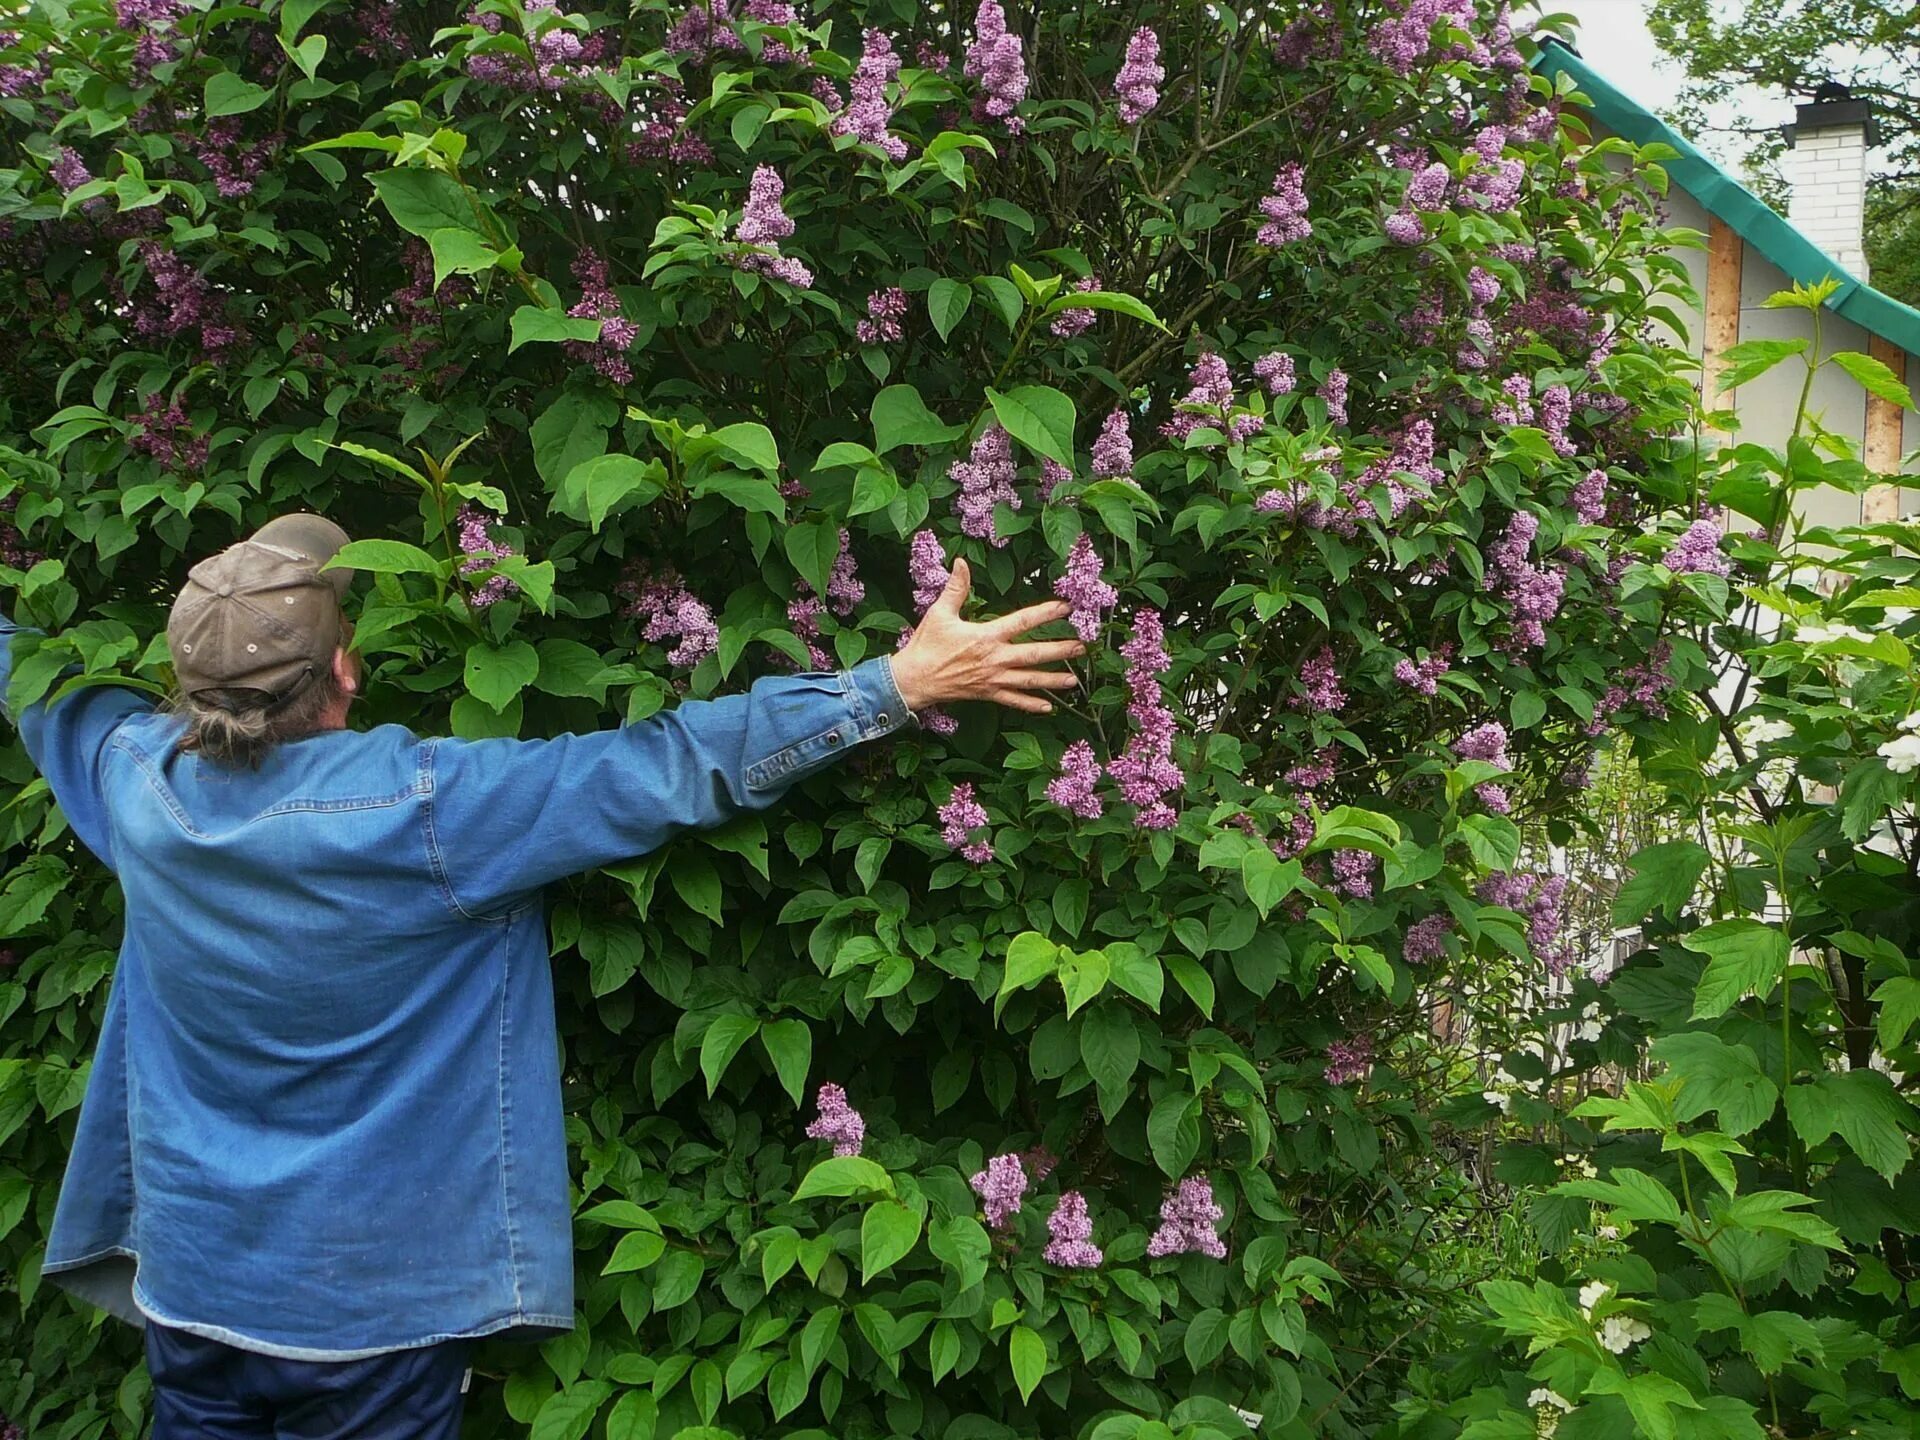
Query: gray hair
[{"x": 238, "y": 728}]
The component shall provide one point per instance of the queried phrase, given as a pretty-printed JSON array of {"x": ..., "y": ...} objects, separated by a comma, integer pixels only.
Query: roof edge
[{"x": 1726, "y": 198}]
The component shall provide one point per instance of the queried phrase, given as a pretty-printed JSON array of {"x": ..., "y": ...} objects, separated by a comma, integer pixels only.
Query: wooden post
[
  {"x": 1881, "y": 504},
  {"x": 1722, "y": 302}
]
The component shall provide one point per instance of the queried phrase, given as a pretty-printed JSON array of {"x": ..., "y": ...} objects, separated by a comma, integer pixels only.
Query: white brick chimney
[{"x": 1827, "y": 169}]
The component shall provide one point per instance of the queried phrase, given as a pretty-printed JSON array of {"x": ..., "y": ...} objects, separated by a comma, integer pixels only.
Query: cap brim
[{"x": 313, "y": 536}]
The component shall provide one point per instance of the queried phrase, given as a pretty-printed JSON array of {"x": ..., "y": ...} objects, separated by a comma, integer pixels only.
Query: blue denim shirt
[{"x": 324, "y": 1117}]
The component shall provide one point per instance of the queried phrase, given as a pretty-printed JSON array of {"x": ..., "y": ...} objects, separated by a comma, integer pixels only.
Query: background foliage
[{"x": 491, "y": 289}]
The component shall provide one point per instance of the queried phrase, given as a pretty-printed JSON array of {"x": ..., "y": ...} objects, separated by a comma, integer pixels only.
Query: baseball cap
[{"x": 261, "y": 615}]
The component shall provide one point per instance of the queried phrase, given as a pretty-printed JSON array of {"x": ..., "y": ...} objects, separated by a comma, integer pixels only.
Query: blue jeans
[{"x": 203, "y": 1390}]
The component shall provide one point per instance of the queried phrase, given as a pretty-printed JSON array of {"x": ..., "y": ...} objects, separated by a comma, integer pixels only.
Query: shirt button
[
  {"x": 833, "y": 737},
  {"x": 884, "y": 718}
]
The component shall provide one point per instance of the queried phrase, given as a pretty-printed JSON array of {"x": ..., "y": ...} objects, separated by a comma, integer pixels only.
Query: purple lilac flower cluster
[
  {"x": 959, "y": 818},
  {"x": 1145, "y": 771},
  {"x": 234, "y": 165},
  {"x": 1516, "y": 406},
  {"x": 1137, "y": 86},
  {"x": 1556, "y": 413},
  {"x": 1113, "y": 448},
  {"x": 182, "y": 303},
  {"x": 1424, "y": 675},
  {"x": 1646, "y": 685},
  {"x": 1320, "y": 687},
  {"x": 473, "y": 533},
  {"x": 69, "y": 171},
  {"x": 1208, "y": 404},
  {"x": 1353, "y": 873},
  {"x": 1350, "y": 1060},
  {"x": 1052, "y": 476},
  {"x": 1333, "y": 390},
  {"x": 1000, "y": 1187},
  {"x": 1076, "y": 319},
  {"x": 154, "y": 23},
  {"x": 166, "y": 434},
  {"x": 1697, "y": 551},
  {"x": 885, "y": 310},
  {"x": 838, "y": 1122},
  {"x": 997, "y": 61},
  {"x": 1426, "y": 940},
  {"x": 560, "y": 56},
  {"x": 417, "y": 305},
  {"x": 1314, "y": 773},
  {"x": 1488, "y": 743},
  {"x": 1187, "y": 1220},
  {"x": 867, "y": 114},
  {"x": 1070, "y": 1235},
  {"x": 803, "y": 617},
  {"x": 661, "y": 133},
  {"x": 763, "y": 225},
  {"x": 1533, "y": 593},
  {"x": 1539, "y": 899},
  {"x": 1588, "y": 498},
  {"x": 1286, "y": 207},
  {"x": 598, "y": 301},
  {"x": 1081, "y": 587},
  {"x": 1312, "y": 35},
  {"x": 1074, "y": 789},
  {"x": 668, "y": 610},
  {"x": 986, "y": 479},
  {"x": 1275, "y": 371}
]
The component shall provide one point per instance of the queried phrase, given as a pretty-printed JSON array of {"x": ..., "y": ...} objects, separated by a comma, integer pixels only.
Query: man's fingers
[
  {"x": 1031, "y": 618},
  {"x": 1039, "y": 679},
  {"x": 1042, "y": 652},
  {"x": 1020, "y": 700},
  {"x": 959, "y": 586}
]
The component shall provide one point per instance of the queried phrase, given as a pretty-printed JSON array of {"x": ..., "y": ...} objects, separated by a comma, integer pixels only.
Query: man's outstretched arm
[{"x": 509, "y": 816}]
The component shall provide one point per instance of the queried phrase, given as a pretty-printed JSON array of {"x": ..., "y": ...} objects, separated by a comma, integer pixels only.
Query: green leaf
[
  {"x": 724, "y": 1039},
  {"x": 1871, "y": 1116},
  {"x": 423, "y": 201},
  {"x": 1492, "y": 840},
  {"x": 888, "y": 1231},
  {"x": 1664, "y": 878},
  {"x": 1005, "y": 295},
  {"x": 962, "y": 1245},
  {"x": 597, "y": 486},
  {"x": 569, "y": 668},
  {"x": 844, "y": 1175},
  {"x": 1031, "y": 957},
  {"x": 532, "y": 324},
  {"x": 789, "y": 1045},
  {"x": 570, "y": 430},
  {"x": 1104, "y": 300},
  {"x": 1039, "y": 417},
  {"x": 947, "y": 303},
  {"x": 1194, "y": 980},
  {"x": 1753, "y": 358},
  {"x": 496, "y": 674},
  {"x": 228, "y": 94},
  {"x": 1874, "y": 376},
  {"x": 633, "y": 1417},
  {"x": 1652, "y": 1399},
  {"x": 636, "y": 1251},
  {"x": 1083, "y": 975},
  {"x": 569, "y": 1415},
  {"x": 1206, "y": 1338},
  {"x": 1744, "y": 955},
  {"x": 697, "y": 883},
  {"x": 752, "y": 493},
  {"x": 1635, "y": 1194},
  {"x": 901, "y": 417},
  {"x": 1173, "y": 1132},
  {"x": 459, "y": 252},
  {"x": 675, "y": 1278},
  {"x": 813, "y": 549},
  {"x": 1719, "y": 1077},
  {"x": 1028, "y": 1354},
  {"x": 1139, "y": 974},
  {"x": 385, "y": 557},
  {"x": 751, "y": 444},
  {"x": 1110, "y": 1046},
  {"x": 1899, "y": 1002}
]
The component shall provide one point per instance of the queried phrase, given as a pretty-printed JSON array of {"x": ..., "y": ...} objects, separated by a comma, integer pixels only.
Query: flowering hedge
[{"x": 1022, "y": 1077}]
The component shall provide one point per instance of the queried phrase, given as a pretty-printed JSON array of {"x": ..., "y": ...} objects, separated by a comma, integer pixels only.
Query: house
[{"x": 1752, "y": 252}]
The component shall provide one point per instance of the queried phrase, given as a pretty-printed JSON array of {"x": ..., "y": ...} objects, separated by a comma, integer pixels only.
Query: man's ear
[{"x": 346, "y": 674}]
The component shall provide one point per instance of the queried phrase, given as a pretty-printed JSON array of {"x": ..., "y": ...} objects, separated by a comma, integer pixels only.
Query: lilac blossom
[
  {"x": 1275, "y": 371},
  {"x": 1428, "y": 190},
  {"x": 1404, "y": 227},
  {"x": 1000, "y": 1187},
  {"x": 1138, "y": 84},
  {"x": 803, "y": 615},
  {"x": 885, "y": 310},
  {"x": 1076, "y": 319},
  {"x": 1533, "y": 593},
  {"x": 1588, "y": 499},
  {"x": 1539, "y": 899},
  {"x": 1081, "y": 587},
  {"x": 182, "y": 302},
  {"x": 473, "y": 528},
  {"x": 69, "y": 171},
  {"x": 704, "y": 29},
  {"x": 1286, "y": 208},
  {"x": 1483, "y": 286},
  {"x": 867, "y": 114},
  {"x": 1424, "y": 675},
  {"x": 1052, "y": 476},
  {"x": 1556, "y": 413},
  {"x": 763, "y": 224},
  {"x": 1187, "y": 1220},
  {"x": 844, "y": 590},
  {"x": 1516, "y": 406},
  {"x": 1313, "y": 773},
  {"x": 1697, "y": 551},
  {"x": 986, "y": 479},
  {"x": 1353, "y": 873},
  {"x": 1070, "y": 1235},
  {"x": 959, "y": 818},
  {"x": 1320, "y": 687},
  {"x": 1146, "y": 772},
  {"x": 1403, "y": 39},
  {"x": 166, "y": 434},
  {"x": 838, "y": 1122},
  {"x": 1426, "y": 940},
  {"x": 1498, "y": 189},
  {"x": 667, "y": 610},
  {"x": 1209, "y": 394},
  {"x": 997, "y": 60},
  {"x": 1350, "y": 1060},
  {"x": 927, "y": 569},
  {"x": 1074, "y": 789},
  {"x": 599, "y": 301},
  {"x": 1488, "y": 743},
  {"x": 1333, "y": 390},
  {"x": 1113, "y": 448}
]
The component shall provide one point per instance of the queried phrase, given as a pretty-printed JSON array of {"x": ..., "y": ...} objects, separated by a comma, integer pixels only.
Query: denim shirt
[{"x": 324, "y": 1117}]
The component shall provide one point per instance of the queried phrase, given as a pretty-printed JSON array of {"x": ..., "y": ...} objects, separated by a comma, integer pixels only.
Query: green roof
[{"x": 1723, "y": 196}]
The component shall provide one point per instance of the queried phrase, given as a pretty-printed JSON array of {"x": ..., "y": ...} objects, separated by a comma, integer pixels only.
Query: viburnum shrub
[
  {"x": 1742, "y": 1217},
  {"x": 1033, "y": 1077}
]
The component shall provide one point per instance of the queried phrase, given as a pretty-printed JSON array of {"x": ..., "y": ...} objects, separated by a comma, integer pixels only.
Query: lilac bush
[{"x": 670, "y": 346}]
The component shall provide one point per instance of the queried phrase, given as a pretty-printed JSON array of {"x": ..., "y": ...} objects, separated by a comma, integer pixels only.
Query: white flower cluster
[
  {"x": 1549, "y": 1406},
  {"x": 1618, "y": 1333},
  {"x": 1902, "y": 753},
  {"x": 1824, "y": 634}
]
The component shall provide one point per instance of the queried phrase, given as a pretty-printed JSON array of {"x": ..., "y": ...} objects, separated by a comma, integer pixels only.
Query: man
[{"x": 321, "y": 1148}]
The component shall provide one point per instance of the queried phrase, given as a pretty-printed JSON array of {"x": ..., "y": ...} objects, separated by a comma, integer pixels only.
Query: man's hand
[{"x": 953, "y": 659}]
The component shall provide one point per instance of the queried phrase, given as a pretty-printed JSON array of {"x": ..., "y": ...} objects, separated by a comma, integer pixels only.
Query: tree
[
  {"x": 1796, "y": 46},
  {"x": 656, "y": 349}
]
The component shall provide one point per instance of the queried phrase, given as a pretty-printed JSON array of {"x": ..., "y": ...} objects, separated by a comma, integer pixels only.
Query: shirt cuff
[{"x": 874, "y": 698}]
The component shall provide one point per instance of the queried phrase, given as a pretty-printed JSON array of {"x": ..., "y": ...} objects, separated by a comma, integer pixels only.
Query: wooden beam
[
  {"x": 1722, "y": 302},
  {"x": 1881, "y": 504}
]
